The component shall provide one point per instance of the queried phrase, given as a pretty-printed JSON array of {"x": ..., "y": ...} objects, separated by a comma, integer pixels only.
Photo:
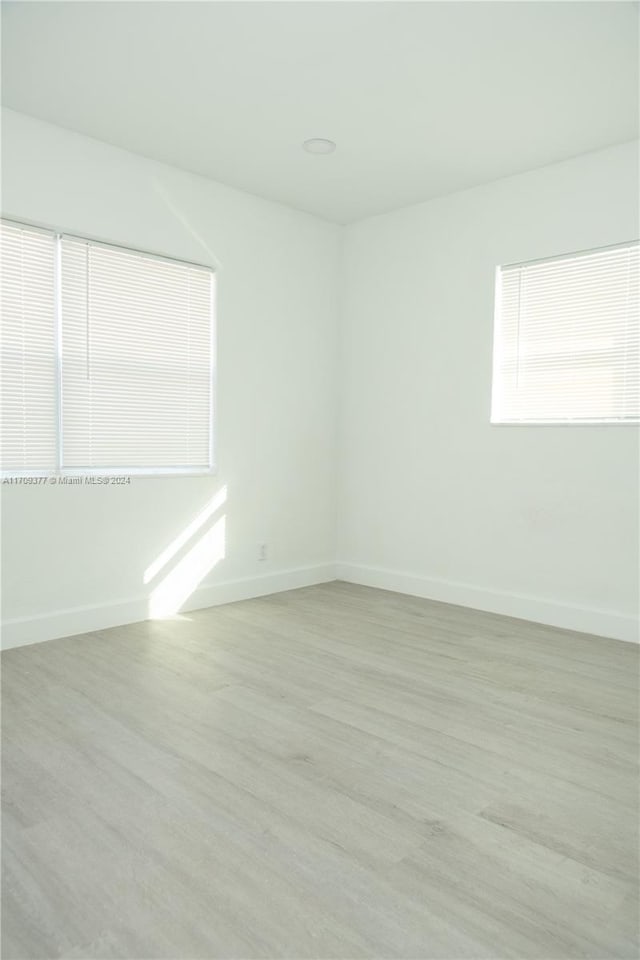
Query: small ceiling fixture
[{"x": 319, "y": 145}]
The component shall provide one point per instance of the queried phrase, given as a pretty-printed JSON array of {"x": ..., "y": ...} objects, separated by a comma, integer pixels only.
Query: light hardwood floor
[{"x": 330, "y": 772}]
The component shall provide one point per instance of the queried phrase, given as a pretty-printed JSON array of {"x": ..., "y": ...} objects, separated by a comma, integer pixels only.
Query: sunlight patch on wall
[
  {"x": 172, "y": 592},
  {"x": 185, "y": 535}
]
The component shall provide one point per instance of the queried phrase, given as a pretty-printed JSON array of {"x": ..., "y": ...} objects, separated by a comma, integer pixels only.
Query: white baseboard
[
  {"x": 66, "y": 623},
  {"x": 603, "y": 623}
]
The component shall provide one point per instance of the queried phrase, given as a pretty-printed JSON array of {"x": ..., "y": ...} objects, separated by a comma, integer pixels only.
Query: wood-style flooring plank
[{"x": 332, "y": 772}]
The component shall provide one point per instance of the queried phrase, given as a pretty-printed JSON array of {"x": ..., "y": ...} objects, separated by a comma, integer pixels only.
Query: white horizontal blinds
[
  {"x": 567, "y": 342},
  {"x": 28, "y": 365},
  {"x": 136, "y": 374}
]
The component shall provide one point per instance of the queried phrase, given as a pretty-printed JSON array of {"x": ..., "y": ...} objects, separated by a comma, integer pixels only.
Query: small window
[
  {"x": 567, "y": 339},
  {"x": 107, "y": 358}
]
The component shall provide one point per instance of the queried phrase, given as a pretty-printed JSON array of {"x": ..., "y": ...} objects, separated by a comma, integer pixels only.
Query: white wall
[
  {"x": 87, "y": 547},
  {"x": 537, "y": 521}
]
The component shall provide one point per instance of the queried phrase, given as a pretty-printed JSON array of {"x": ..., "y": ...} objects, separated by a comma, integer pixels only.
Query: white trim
[
  {"x": 604, "y": 623},
  {"x": 603, "y": 422},
  {"x": 63, "y": 623},
  {"x": 571, "y": 255},
  {"x": 141, "y": 472},
  {"x": 100, "y": 242},
  {"x": 142, "y": 254},
  {"x": 57, "y": 319},
  {"x": 213, "y": 365}
]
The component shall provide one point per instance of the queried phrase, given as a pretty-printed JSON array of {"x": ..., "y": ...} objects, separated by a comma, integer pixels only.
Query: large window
[
  {"x": 107, "y": 358},
  {"x": 567, "y": 339}
]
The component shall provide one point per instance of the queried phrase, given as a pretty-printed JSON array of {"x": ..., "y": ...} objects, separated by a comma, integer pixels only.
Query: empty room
[{"x": 320, "y": 439}]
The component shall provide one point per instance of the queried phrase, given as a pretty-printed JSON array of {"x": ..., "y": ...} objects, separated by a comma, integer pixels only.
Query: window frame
[
  {"x": 60, "y": 470},
  {"x": 583, "y": 422}
]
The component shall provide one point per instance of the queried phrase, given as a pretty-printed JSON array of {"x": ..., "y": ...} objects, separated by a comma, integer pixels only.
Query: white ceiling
[{"x": 422, "y": 98}]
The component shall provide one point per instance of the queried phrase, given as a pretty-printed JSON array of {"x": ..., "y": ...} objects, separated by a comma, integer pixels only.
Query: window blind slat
[{"x": 567, "y": 339}]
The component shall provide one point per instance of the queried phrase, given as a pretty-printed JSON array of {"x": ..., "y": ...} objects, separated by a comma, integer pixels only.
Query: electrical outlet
[{"x": 262, "y": 551}]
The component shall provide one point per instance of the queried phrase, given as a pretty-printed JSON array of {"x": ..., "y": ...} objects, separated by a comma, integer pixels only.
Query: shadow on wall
[
  {"x": 162, "y": 191},
  {"x": 207, "y": 544}
]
